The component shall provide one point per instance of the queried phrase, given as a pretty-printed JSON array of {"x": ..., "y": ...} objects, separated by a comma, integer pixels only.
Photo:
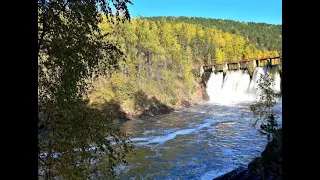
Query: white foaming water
[
  {"x": 253, "y": 88},
  {"x": 237, "y": 86},
  {"x": 170, "y": 136},
  {"x": 214, "y": 85},
  {"x": 274, "y": 73},
  {"x": 233, "y": 88}
]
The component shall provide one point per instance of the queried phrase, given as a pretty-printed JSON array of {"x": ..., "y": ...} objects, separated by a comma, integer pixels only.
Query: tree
[
  {"x": 70, "y": 46},
  {"x": 220, "y": 56},
  {"x": 263, "y": 108}
]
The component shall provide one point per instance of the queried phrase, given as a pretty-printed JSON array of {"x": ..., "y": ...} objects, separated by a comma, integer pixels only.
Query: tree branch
[
  {"x": 63, "y": 8},
  {"x": 44, "y": 29}
]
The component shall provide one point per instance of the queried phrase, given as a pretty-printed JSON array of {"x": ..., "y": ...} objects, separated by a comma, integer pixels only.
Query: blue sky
[{"x": 267, "y": 11}]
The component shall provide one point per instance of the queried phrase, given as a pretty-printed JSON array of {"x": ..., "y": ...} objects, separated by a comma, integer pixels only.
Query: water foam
[
  {"x": 162, "y": 139},
  {"x": 232, "y": 88},
  {"x": 237, "y": 86}
]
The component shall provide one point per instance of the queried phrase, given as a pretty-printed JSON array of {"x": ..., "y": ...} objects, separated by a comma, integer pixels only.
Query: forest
[{"x": 262, "y": 35}]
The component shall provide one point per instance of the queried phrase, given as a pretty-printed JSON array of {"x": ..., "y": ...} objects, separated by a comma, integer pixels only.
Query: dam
[{"x": 234, "y": 82}]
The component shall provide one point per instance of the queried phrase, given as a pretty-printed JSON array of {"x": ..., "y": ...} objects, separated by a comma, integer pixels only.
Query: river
[{"x": 199, "y": 142}]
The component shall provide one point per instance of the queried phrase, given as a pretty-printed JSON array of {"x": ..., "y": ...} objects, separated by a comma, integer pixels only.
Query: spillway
[{"x": 237, "y": 86}]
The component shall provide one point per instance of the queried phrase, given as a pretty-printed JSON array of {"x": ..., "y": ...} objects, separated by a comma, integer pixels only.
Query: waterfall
[
  {"x": 274, "y": 73},
  {"x": 253, "y": 87},
  {"x": 237, "y": 86},
  {"x": 233, "y": 87},
  {"x": 214, "y": 85}
]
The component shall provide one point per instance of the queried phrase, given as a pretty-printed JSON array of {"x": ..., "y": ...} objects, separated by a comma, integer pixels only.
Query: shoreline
[{"x": 157, "y": 108}]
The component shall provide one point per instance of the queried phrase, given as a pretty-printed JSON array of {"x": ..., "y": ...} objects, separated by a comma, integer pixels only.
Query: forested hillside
[
  {"x": 262, "y": 35},
  {"x": 161, "y": 60}
]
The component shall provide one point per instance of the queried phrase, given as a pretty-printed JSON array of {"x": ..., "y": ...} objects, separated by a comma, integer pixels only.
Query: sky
[{"x": 266, "y": 11}]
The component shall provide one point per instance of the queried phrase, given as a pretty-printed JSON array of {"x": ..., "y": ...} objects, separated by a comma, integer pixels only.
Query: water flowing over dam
[{"x": 237, "y": 85}]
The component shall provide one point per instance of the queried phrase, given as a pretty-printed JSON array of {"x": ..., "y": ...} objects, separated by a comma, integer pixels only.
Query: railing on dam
[{"x": 243, "y": 64}]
